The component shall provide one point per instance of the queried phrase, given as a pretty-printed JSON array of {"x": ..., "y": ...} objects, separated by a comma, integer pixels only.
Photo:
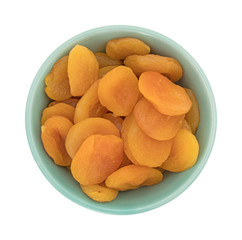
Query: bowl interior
[{"x": 145, "y": 198}]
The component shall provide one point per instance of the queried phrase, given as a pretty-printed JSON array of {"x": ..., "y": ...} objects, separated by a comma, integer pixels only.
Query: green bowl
[{"x": 145, "y": 198}]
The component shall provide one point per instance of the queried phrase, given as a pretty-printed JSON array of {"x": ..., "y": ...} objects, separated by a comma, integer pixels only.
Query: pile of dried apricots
[{"x": 117, "y": 118}]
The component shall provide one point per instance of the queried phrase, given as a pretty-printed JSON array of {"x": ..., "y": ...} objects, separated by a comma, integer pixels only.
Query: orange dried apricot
[
  {"x": 85, "y": 128},
  {"x": 168, "y": 98},
  {"x": 99, "y": 192},
  {"x": 104, "y": 70},
  {"x": 70, "y": 101},
  {"x": 57, "y": 82},
  {"x": 169, "y": 67},
  {"x": 118, "y": 90},
  {"x": 133, "y": 177},
  {"x": 98, "y": 156},
  {"x": 155, "y": 124},
  {"x": 104, "y": 60},
  {"x": 145, "y": 150},
  {"x": 116, "y": 120},
  {"x": 53, "y": 135},
  {"x": 61, "y": 109},
  {"x": 184, "y": 152},
  {"x": 89, "y": 105},
  {"x": 121, "y": 48},
  {"x": 82, "y": 69},
  {"x": 193, "y": 115}
]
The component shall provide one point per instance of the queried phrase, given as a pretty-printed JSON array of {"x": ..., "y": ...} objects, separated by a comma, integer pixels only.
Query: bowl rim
[{"x": 159, "y": 202}]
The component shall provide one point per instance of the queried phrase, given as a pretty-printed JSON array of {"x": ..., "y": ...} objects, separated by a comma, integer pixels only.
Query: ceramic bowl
[{"x": 145, "y": 198}]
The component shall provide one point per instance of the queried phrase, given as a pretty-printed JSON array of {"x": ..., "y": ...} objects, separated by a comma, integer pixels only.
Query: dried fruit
[
  {"x": 53, "y": 135},
  {"x": 167, "y": 97},
  {"x": 123, "y": 47},
  {"x": 118, "y": 90},
  {"x": 82, "y": 69},
  {"x": 57, "y": 82},
  {"x": 133, "y": 177},
  {"x": 98, "y": 156},
  {"x": 169, "y": 67},
  {"x": 85, "y": 128}
]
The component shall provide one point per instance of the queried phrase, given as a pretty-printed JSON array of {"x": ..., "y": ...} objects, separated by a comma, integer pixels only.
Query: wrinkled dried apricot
[
  {"x": 99, "y": 192},
  {"x": 133, "y": 177},
  {"x": 85, "y": 128},
  {"x": 184, "y": 152},
  {"x": 168, "y": 98},
  {"x": 89, "y": 105},
  {"x": 155, "y": 124},
  {"x": 53, "y": 135},
  {"x": 61, "y": 109},
  {"x": 117, "y": 121},
  {"x": 169, "y": 67},
  {"x": 70, "y": 101},
  {"x": 104, "y": 70},
  {"x": 118, "y": 90},
  {"x": 121, "y": 48},
  {"x": 145, "y": 150},
  {"x": 57, "y": 82},
  {"x": 193, "y": 115},
  {"x": 98, "y": 156},
  {"x": 104, "y": 60},
  {"x": 82, "y": 69}
]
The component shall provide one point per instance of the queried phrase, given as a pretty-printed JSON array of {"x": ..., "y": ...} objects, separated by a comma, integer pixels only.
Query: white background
[{"x": 30, "y": 208}]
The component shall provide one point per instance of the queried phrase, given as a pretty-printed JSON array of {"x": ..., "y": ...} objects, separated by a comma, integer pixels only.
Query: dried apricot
[
  {"x": 53, "y": 135},
  {"x": 57, "y": 82},
  {"x": 98, "y": 156},
  {"x": 168, "y": 98},
  {"x": 121, "y": 48},
  {"x": 82, "y": 69},
  {"x": 70, "y": 101},
  {"x": 85, "y": 128},
  {"x": 169, "y": 67},
  {"x": 184, "y": 152},
  {"x": 89, "y": 105},
  {"x": 104, "y": 60},
  {"x": 61, "y": 109},
  {"x": 155, "y": 124},
  {"x": 133, "y": 177},
  {"x": 118, "y": 90},
  {"x": 145, "y": 150},
  {"x": 193, "y": 115},
  {"x": 99, "y": 192}
]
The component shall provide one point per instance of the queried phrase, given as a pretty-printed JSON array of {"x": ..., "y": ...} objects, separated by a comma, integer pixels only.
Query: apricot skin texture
[
  {"x": 167, "y": 97},
  {"x": 82, "y": 69},
  {"x": 99, "y": 193},
  {"x": 85, "y": 128},
  {"x": 118, "y": 90},
  {"x": 57, "y": 82},
  {"x": 184, "y": 152},
  {"x": 133, "y": 177},
  {"x": 169, "y": 67},
  {"x": 97, "y": 158},
  {"x": 155, "y": 124},
  {"x": 53, "y": 135},
  {"x": 60, "y": 109},
  {"x": 142, "y": 149},
  {"x": 121, "y": 48}
]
